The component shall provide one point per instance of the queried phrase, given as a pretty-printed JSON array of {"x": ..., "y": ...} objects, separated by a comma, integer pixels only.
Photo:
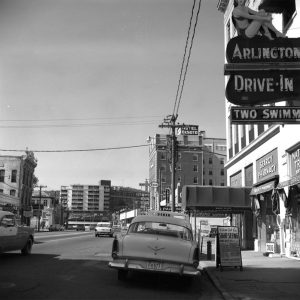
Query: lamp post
[{"x": 39, "y": 210}]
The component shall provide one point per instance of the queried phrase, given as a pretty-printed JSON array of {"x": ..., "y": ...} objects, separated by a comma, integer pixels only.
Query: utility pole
[
  {"x": 39, "y": 216},
  {"x": 170, "y": 122}
]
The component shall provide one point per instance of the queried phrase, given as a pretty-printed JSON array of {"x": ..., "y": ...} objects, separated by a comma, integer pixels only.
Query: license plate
[{"x": 153, "y": 265}]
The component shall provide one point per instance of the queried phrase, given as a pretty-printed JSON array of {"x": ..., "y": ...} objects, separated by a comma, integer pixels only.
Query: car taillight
[{"x": 115, "y": 248}]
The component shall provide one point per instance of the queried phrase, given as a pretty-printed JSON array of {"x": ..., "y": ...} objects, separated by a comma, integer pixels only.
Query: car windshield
[
  {"x": 103, "y": 225},
  {"x": 167, "y": 229}
]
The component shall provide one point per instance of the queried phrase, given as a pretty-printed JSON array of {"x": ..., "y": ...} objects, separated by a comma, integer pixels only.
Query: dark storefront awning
[
  {"x": 218, "y": 199},
  {"x": 275, "y": 6},
  {"x": 263, "y": 188}
]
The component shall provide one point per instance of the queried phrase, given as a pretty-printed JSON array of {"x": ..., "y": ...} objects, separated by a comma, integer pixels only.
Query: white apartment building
[{"x": 266, "y": 157}]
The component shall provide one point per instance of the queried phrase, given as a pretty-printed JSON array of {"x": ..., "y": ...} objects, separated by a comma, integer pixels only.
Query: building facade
[
  {"x": 16, "y": 184},
  {"x": 265, "y": 156},
  {"x": 95, "y": 202},
  {"x": 199, "y": 161}
]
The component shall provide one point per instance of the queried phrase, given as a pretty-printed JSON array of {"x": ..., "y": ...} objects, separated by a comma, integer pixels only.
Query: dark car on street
[{"x": 80, "y": 227}]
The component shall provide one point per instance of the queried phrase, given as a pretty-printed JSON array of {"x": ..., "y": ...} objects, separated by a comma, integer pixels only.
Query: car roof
[
  {"x": 3, "y": 213},
  {"x": 162, "y": 219}
]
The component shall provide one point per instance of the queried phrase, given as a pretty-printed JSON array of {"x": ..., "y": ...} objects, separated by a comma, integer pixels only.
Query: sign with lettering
[
  {"x": 262, "y": 71},
  {"x": 228, "y": 247},
  {"x": 265, "y": 114},
  {"x": 188, "y": 130},
  {"x": 263, "y": 87},
  {"x": 267, "y": 166},
  {"x": 260, "y": 49},
  {"x": 295, "y": 162}
]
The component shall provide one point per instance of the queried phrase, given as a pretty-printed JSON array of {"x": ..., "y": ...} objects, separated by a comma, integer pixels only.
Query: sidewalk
[{"x": 262, "y": 277}]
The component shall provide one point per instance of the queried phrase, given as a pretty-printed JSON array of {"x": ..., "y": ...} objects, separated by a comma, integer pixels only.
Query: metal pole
[{"x": 173, "y": 163}]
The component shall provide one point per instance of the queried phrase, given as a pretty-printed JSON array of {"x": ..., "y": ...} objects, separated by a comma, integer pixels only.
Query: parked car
[
  {"x": 159, "y": 242},
  {"x": 104, "y": 228},
  {"x": 80, "y": 227},
  {"x": 56, "y": 227},
  {"x": 14, "y": 236}
]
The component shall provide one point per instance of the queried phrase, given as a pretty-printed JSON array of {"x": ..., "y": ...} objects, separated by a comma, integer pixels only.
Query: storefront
[
  {"x": 291, "y": 194},
  {"x": 266, "y": 205}
]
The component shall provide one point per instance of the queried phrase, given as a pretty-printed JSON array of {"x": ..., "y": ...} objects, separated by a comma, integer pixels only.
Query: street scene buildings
[{"x": 265, "y": 155}]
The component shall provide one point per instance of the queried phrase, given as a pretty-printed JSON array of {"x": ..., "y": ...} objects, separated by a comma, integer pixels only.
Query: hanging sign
[
  {"x": 262, "y": 71},
  {"x": 262, "y": 50},
  {"x": 263, "y": 87},
  {"x": 265, "y": 114}
]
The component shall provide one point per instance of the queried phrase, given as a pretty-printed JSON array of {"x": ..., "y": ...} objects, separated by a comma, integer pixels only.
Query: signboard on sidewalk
[{"x": 228, "y": 247}]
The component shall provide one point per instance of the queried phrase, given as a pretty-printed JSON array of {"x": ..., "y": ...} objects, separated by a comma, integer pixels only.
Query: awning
[
  {"x": 216, "y": 198},
  {"x": 294, "y": 180},
  {"x": 276, "y": 6},
  {"x": 263, "y": 188}
]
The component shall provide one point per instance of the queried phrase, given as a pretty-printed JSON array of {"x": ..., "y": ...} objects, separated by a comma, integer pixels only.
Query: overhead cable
[{"x": 175, "y": 112}]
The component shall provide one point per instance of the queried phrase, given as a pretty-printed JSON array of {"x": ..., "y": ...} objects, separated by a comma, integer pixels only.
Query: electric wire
[
  {"x": 184, "y": 55},
  {"x": 189, "y": 55},
  {"x": 77, "y": 150}
]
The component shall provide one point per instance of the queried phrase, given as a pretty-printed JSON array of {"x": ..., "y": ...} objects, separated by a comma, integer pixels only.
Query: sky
[{"x": 102, "y": 74}]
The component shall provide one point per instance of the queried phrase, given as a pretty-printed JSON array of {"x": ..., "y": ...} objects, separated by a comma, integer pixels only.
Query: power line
[
  {"x": 80, "y": 125},
  {"x": 77, "y": 119},
  {"x": 183, "y": 60},
  {"x": 178, "y": 100},
  {"x": 78, "y": 150}
]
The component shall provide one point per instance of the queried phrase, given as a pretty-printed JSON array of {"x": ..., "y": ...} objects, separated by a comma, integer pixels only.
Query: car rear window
[{"x": 161, "y": 228}]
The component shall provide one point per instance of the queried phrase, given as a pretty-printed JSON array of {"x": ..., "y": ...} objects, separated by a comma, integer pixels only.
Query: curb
[{"x": 217, "y": 284}]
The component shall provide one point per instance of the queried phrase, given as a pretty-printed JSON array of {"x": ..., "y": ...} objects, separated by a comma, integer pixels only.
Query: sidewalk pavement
[{"x": 262, "y": 277}]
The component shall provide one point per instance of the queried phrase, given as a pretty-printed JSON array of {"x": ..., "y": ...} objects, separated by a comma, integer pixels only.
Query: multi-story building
[
  {"x": 214, "y": 158},
  {"x": 265, "y": 156},
  {"x": 101, "y": 200},
  {"x": 16, "y": 183},
  {"x": 199, "y": 161}
]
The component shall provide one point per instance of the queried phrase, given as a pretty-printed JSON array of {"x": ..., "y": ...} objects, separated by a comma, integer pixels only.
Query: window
[
  {"x": 14, "y": 176},
  {"x": 195, "y": 168},
  {"x": 222, "y": 172},
  {"x": 195, "y": 180},
  {"x": 163, "y": 168},
  {"x": 222, "y": 161},
  {"x": 1, "y": 191},
  {"x": 12, "y": 192},
  {"x": 163, "y": 179},
  {"x": 210, "y": 182},
  {"x": 45, "y": 202},
  {"x": 163, "y": 156},
  {"x": 195, "y": 157},
  {"x": 210, "y": 160},
  {"x": 2, "y": 175},
  {"x": 210, "y": 172}
]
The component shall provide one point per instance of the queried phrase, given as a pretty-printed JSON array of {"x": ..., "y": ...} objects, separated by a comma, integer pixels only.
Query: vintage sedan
[
  {"x": 14, "y": 236},
  {"x": 158, "y": 242}
]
